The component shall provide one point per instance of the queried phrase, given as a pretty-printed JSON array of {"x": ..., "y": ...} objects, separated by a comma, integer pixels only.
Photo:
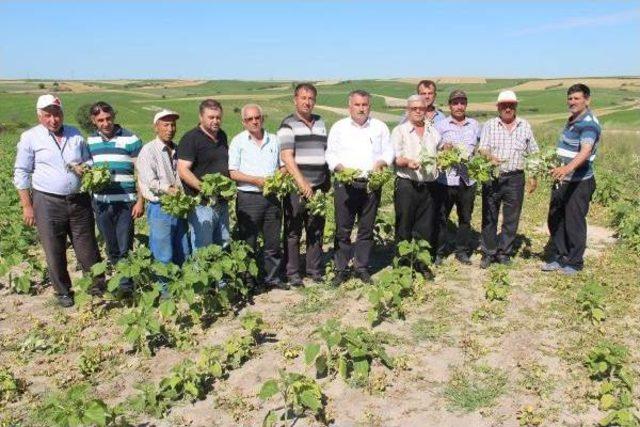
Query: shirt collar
[
  {"x": 365, "y": 124},
  {"x": 117, "y": 132},
  {"x": 453, "y": 121},
  {"x": 584, "y": 114},
  {"x": 162, "y": 145},
  {"x": 518, "y": 120}
]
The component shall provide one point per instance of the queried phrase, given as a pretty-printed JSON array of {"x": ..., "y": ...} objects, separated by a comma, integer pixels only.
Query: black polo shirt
[{"x": 207, "y": 155}]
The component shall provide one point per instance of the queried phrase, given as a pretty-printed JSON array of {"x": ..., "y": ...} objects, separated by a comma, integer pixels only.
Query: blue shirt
[
  {"x": 247, "y": 157},
  {"x": 466, "y": 137},
  {"x": 42, "y": 164},
  {"x": 118, "y": 154},
  {"x": 584, "y": 129}
]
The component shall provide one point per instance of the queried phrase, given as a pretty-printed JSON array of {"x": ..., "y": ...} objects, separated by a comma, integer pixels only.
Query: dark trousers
[
  {"x": 353, "y": 201},
  {"x": 462, "y": 196},
  {"x": 116, "y": 227},
  {"x": 567, "y": 221},
  {"x": 58, "y": 217},
  {"x": 261, "y": 215},
  {"x": 506, "y": 191},
  {"x": 297, "y": 218},
  {"x": 417, "y": 207}
]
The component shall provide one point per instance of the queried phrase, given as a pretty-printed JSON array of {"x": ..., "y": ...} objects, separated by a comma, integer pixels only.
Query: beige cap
[
  {"x": 507, "y": 96},
  {"x": 164, "y": 113},
  {"x": 48, "y": 100}
]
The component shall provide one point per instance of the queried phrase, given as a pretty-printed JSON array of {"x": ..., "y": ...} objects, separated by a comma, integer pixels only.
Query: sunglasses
[{"x": 250, "y": 119}]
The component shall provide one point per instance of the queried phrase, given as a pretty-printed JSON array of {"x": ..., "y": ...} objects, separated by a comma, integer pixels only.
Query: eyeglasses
[
  {"x": 250, "y": 119},
  {"x": 504, "y": 106},
  {"x": 417, "y": 109}
]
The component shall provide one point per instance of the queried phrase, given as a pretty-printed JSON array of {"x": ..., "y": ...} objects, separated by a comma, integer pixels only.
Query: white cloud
[{"x": 580, "y": 22}]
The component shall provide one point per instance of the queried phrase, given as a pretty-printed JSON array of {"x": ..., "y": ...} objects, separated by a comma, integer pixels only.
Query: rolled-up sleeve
[
  {"x": 397, "y": 141},
  {"x": 234, "y": 155},
  {"x": 387, "y": 153},
  {"x": 333, "y": 147},
  {"x": 25, "y": 163},
  {"x": 532, "y": 146}
]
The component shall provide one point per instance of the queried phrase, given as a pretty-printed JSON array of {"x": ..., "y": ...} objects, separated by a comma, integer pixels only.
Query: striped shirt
[
  {"x": 309, "y": 145},
  {"x": 407, "y": 143},
  {"x": 157, "y": 169},
  {"x": 510, "y": 146},
  {"x": 584, "y": 129},
  {"x": 117, "y": 153},
  {"x": 464, "y": 135}
]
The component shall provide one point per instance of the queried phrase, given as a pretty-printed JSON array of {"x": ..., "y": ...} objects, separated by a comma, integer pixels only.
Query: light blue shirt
[
  {"x": 247, "y": 157},
  {"x": 42, "y": 163}
]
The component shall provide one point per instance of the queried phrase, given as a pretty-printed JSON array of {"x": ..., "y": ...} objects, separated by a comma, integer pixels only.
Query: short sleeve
[
  {"x": 286, "y": 137},
  {"x": 187, "y": 148},
  {"x": 234, "y": 154}
]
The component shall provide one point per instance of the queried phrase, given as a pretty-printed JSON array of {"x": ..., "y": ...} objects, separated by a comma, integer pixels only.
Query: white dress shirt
[{"x": 359, "y": 147}]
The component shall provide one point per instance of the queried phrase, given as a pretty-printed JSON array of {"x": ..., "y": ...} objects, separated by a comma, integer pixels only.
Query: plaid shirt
[
  {"x": 463, "y": 135},
  {"x": 508, "y": 146}
]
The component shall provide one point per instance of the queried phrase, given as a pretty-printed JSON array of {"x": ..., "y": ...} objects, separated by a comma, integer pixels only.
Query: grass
[
  {"x": 474, "y": 387},
  {"x": 556, "y": 336}
]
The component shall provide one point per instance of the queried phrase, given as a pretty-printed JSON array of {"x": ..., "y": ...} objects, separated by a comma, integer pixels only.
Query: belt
[
  {"x": 62, "y": 196},
  {"x": 511, "y": 173}
]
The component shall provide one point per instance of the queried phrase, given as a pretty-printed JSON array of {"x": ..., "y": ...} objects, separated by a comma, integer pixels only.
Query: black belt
[
  {"x": 419, "y": 184},
  {"x": 62, "y": 196},
  {"x": 511, "y": 173}
]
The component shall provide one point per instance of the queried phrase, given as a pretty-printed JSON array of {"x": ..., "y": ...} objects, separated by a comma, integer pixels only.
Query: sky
[{"x": 317, "y": 40}]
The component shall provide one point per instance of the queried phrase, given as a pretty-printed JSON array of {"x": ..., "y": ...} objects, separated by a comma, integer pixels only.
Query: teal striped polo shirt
[{"x": 118, "y": 154}]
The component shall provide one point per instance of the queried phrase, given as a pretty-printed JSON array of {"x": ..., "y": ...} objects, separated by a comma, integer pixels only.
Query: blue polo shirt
[
  {"x": 247, "y": 157},
  {"x": 584, "y": 129}
]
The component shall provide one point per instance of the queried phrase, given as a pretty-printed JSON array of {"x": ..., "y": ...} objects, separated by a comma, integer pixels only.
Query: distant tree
[
  {"x": 83, "y": 118},
  {"x": 55, "y": 87},
  {"x": 236, "y": 109},
  {"x": 41, "y": 86}
]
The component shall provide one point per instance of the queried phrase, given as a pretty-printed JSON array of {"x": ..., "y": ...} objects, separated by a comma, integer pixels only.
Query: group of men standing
[{"x": 52, "y": 157}]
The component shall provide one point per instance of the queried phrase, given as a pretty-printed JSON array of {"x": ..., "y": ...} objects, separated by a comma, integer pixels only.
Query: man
[
  {"x": 50, "y": 160},
  {"x": 428, "y": 91},
  {"x": 506, "y": 139},
  {"x": 458, "y": 189},
  {"x": 158, "y": 175},
  {"x": 303, "y": 142},
  {"x": 254, "y": 154},
  {"x": 416, "y": 196},
  {"x": 118, "y": 204},
  {"x": 359, "y": 142},
  {"x": 204, "y": 150},
  {"x": 570, "y": 199}
]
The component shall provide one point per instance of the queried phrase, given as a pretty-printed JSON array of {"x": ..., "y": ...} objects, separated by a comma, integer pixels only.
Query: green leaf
[
  {"x": 270, "y": 419},
  {"x": 607, "y": 401},
  {"x": 321, "y": 365},
  {"x": 343, "y": 367},
  {"x": 310, "y": 352},
  {"x": 96, "y": 413},
  {"x": 311, "y": 400},
  {"x": 269, "y": 389}
]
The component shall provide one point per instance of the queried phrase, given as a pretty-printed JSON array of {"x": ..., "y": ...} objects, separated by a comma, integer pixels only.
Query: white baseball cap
[
  {"x": 164, "y": 113},
  {"x": 48, "y": 100},
  {"x": 507, "y": 96}
]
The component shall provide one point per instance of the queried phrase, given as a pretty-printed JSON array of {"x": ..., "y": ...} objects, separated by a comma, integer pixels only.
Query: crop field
[{"x": 507, "y": 346}]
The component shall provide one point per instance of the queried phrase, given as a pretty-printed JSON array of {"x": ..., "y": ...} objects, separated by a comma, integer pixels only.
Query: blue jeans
[
  {"x": 209, "y": 225},
  {"x": 168, "y": 239},
  {"x": 116, "y": 227}
]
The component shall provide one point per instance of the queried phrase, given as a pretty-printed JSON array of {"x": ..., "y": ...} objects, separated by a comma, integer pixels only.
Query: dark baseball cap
[{"x": 456, "y": 94}]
